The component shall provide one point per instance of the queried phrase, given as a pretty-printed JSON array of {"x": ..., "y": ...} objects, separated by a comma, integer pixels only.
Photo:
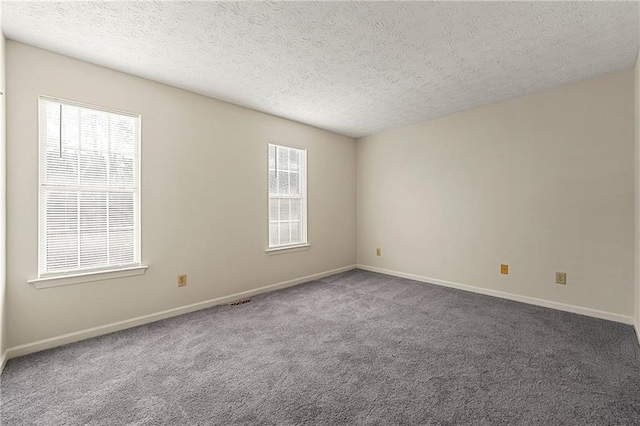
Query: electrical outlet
[
  {"x": 561, "y": 278},
  {"x": 378, "y": 252},
  {"x": 504, "y": 269},
  {"x": 182, "y": 280}
]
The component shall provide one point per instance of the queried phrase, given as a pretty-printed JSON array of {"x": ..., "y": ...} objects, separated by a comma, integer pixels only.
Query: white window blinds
[
  {"x": 287, "y": 196},
  {"x": 89, "y": 188}
]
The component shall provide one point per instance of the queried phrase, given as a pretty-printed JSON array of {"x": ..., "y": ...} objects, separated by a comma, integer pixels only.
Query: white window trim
[
  {"x": 287, "y": 249},
  {"x": 80, "y": 276},
  {"x": 291, "y": 247},
  {"x": 86, "y": 277}
]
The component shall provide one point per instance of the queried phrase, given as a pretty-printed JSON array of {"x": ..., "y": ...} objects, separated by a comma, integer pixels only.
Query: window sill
[
  {"x": 287, "y": 249},
  {"x": 58, "y": 281}
]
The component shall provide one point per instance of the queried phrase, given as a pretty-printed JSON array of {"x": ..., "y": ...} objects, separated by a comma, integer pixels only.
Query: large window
[
  {"x": 287, "y": 196},
  {"x": 89, "y": 188}
]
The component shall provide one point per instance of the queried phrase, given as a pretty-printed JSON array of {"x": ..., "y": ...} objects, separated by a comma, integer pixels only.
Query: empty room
[{"x": 319, "y": 213}]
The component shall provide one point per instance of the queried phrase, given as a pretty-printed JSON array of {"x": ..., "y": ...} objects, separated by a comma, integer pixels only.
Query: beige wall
[
  {"x": 3, "y": 292},
  {"x": 636, "y": 116},
  {"x": 204, "y": 198},
  {"x": 544, "y": 183}
]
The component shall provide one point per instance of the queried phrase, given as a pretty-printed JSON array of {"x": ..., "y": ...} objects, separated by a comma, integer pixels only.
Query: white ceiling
[{"x": 352, "y": 68}]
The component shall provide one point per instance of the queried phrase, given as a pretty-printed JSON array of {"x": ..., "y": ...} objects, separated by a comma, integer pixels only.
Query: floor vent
[{"x": 240, "y": 302}]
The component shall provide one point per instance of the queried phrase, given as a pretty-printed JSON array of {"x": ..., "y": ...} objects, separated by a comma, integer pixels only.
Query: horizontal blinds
[
  {"x": 89, "y": 194},
  {"x": 287, "y": 196}
]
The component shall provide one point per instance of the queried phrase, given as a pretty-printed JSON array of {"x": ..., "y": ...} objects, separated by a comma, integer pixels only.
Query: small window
[
  {"x": 287, "y": 196},
  {"x": 89, "y": 188}
]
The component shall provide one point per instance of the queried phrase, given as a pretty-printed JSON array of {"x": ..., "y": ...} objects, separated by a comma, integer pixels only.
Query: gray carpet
[{"x": 353, "y": 348}]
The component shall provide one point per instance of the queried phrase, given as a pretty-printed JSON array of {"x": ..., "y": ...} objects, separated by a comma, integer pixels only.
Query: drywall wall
[
  {"x": 204, "y": 198},
  {"x": 636, "y": 117},
  {"x": 3, "y": 163},
  {"x": 543, "y": 183}
]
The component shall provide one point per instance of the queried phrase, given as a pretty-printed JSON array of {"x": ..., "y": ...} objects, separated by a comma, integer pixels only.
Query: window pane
[
  {"x": 93, "y": 229},
  {"x": 294, "y": 158},
  {"x": 284, "y": 210},
  {"x": 284, "y": 233},
  {"x": 62, "y": 251},
  {"x": 93, "y": 249},
  {"x": 124, "y": 134},
  {"x": 273, "y": 209},
  {"x": 121, "y": 247},
  {"x": 122, "y": 171},
  {"x": 296, "y": 209},
  {"x": 283, "y": 158},
  {"x": 273, "y": 234},
  {"x": 70, "y": 127},
  {"x": 296, "y": 232},
  {"x": 93, "y": 130},
  {"x": 93, "y": 168},
  {"x": 294, "y": 183},
  {"x": 272, "y": 157},
  {"x": 283, "y": 183},
  {"x": 121, "y": 211},
  {"x": 93, "y": 211},
  {"x": 62, "y": 210},
  {"x": 50, "y": 125},
  {"x": 61, "y": 170},
  {"x": 61, "y": 233},
  {"x": 273, "y": 182}
]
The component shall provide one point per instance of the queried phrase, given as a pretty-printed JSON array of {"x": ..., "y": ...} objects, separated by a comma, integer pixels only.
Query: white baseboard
[
  {"x": 88, "y": 333},
  {"x": 637, "y": 327},
  {"x": 3, "y": 361},
  {"x": 504, "y": 295}
]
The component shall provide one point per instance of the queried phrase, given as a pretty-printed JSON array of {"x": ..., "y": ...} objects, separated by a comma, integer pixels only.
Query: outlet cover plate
[{"x": 182, "y": 280}]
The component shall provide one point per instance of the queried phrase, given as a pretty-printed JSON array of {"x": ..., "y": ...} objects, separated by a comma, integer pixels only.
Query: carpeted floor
[{"x": 353, "y": 348}]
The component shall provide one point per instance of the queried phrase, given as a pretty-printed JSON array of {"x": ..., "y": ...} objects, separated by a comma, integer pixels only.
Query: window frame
[
  {"x": 305, "y": 201},
  {"x": 73, "y": 276}
]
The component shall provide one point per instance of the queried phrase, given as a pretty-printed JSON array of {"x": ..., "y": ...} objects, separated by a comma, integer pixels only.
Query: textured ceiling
[{"x": 352, "y": 68}]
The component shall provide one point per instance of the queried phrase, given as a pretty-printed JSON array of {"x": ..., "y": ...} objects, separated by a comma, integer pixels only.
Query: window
[
  {"x": 89, "y": 188},
  {"x": 287, "y": 196}
]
